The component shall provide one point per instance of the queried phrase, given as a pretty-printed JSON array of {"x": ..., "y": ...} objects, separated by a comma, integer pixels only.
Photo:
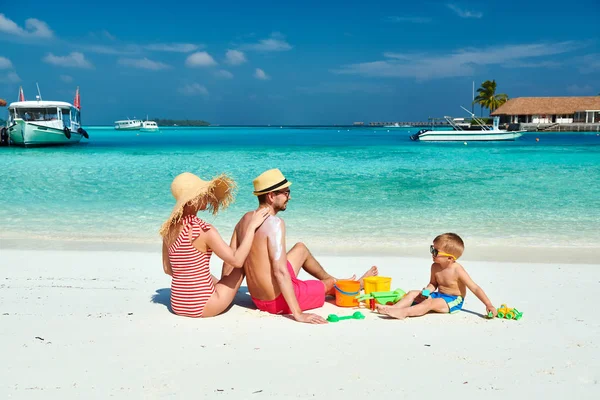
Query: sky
[{"x": 293, "y": 62}]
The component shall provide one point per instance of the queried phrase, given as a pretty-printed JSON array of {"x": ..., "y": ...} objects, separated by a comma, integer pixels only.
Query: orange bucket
[{"x": 346, "y": 292}]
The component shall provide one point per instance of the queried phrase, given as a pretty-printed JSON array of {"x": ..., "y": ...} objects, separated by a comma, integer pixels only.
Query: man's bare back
[{"x": 257, "y": 267}]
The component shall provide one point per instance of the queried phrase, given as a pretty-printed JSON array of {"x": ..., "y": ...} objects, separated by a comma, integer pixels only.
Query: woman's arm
[
  {"x": 166, "y": 262},
  {"x": 234, "y": 257}
]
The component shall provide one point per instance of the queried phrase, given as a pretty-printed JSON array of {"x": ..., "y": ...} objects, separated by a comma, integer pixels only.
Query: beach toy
[
  {"x": 336, "y": 318},
  {"x": 426, "y": 293},
  {"x": 507, "y": 313},
  {"x": 377, "y": 284},
  {"x": 381, "y": 297},
  {"x": 345, "y": 293}
]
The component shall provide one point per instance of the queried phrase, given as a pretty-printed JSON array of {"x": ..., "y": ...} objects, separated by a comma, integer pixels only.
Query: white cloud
[
  {"x": 224, "y": 74},
  {"x": 589, "y": 63},
  {"x": 345, "y": 88},
  {"x": 235, "y": 57},
  {"x": 458, "y": 63},
  {"x": 414, "y": 20},
  {"x": 74, "y": 60},
  {"x": 200, "y": 59},
  {"x": 114, "y": 50},
  {"x": 581, "y": 90},
  {"x": 193, "y": 90},
  {"x": 66, "y": 78},
  {"x": 33, "y": 28},
  {"x": 275, "y": 43},
  {"x": 5, "y": 63},
  {"x": 108, "y": 35},
  {"x": 464, "y": 13},
  {"x": 260, "y": 74},
  {"x": 143, "y": 63},
  {"x": 541, "y": 64},
  {"x": 172, "y": 47},
  {"x": 10, "y": 77}
]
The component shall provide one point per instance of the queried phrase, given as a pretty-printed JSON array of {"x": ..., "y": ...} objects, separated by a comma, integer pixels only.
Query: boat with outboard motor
[
  {"x": 44, "y": 123},
  {"x": 459, "y": 134}
]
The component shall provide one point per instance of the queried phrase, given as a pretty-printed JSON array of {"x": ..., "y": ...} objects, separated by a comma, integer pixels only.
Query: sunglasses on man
[{"x": 435, "y": 252}]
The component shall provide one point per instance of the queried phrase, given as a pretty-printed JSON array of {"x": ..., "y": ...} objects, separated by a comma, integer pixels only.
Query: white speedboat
[
  {"x": 149, "y": 126},
  {"x": 44, "y": 123},
  {"x": 128, "y": 125},
  {"x": 458, "y": 134}
]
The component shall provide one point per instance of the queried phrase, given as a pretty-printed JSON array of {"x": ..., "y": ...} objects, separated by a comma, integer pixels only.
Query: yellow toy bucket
[
  {"x": 346, "y": 292},
  {"x": 377, "y": 284}
]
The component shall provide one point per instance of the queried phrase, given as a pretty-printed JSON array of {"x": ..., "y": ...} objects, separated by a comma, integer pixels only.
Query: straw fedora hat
[
  {"x": 269, "y": 181},
  {"x": 187, "y": 188}
]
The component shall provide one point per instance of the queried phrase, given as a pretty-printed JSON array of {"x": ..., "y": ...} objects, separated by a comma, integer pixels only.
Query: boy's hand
[{"x": 491, "y": 309}]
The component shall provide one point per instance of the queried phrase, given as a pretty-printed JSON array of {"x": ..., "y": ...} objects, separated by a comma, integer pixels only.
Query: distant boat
[
  {"x": 149, "y": 126},
  {"x": 394, "y": 125},
  {"x": 484, "y": 134},
  {"x": 44, "y": 123},
  {"x": 128, "y": 125}
]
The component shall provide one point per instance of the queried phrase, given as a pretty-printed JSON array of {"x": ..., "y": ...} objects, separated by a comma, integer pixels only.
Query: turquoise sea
[{"x": 353, "y": 188}]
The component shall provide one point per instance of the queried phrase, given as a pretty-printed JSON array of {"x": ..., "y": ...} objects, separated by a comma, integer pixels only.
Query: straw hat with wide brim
[
  {"x": 270, "y": 181},
  {"x": 187, "y": 188}
]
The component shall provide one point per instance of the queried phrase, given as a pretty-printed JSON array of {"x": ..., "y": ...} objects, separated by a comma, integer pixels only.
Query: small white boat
[
  {"x": 458, "y": 134},
  {"x": 149, "y": 126},
  {"x": 44, "y": 123},
  {"x": 128, "y": 125}
]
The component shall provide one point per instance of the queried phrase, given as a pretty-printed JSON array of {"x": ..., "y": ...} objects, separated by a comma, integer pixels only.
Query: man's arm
[
  {"x": 278, "y": 259},
  {"x": 477, "y": 291}
]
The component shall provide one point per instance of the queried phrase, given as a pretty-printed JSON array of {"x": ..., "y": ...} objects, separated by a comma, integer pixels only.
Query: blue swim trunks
[{"x": 455, "y": 303}]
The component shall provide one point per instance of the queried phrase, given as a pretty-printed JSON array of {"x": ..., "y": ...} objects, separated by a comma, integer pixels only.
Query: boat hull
[
  {"x": 30, "y": 135},
  {"x": 469, "y": 136}
]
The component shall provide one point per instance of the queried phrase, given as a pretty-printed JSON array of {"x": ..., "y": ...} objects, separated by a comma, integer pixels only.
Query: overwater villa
[{"x": 550, "y": 110}]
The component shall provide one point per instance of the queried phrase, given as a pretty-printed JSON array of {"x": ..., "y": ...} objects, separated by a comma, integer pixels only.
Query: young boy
[{"x": 448, "y": 277}]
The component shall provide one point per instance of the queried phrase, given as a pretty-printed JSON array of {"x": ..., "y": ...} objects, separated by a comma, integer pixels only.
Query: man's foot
[
  {"x": 371, "y": 272},
  {"x": 394, "y": 312}
]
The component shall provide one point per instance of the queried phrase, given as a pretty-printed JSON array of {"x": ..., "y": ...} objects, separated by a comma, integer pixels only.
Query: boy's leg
[
  {"x": 405, "y": 302},
  {"x": 435, "y": 305}
]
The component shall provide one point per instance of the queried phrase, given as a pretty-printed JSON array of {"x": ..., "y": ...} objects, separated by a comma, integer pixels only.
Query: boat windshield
[{"x": 37, "y": 114}]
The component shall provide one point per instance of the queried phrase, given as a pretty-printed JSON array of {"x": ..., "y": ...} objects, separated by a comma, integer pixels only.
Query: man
[{"x": 271, "y": 273}]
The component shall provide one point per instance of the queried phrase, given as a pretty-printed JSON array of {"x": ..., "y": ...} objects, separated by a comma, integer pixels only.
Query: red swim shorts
[{"x": 310, "y": 294}]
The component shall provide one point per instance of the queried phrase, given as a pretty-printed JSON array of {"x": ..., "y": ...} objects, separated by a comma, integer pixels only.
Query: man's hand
[{"x": 310, "y": 318}]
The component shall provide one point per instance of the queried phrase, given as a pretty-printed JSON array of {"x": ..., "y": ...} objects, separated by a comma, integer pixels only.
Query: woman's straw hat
[
  {"x": 270, "y": 181},
  {"x": 187, "y": 188}
]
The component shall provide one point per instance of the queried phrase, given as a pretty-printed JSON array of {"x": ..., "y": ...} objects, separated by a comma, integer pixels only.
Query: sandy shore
[{"x": 94, "y": 324}]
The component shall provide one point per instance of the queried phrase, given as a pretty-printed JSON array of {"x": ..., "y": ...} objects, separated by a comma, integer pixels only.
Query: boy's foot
[{"x": 399, "y": 313}]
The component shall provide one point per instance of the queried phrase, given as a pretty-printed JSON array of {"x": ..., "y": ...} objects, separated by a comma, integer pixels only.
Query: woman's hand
[{"x": 259, "y": 217}]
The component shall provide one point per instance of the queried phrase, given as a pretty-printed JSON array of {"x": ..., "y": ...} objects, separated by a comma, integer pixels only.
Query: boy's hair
[{"x": 450, "y": 243}]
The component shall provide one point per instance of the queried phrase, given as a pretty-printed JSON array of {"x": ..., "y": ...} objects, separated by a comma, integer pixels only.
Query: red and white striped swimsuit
[{"x": 192, "y": 284}]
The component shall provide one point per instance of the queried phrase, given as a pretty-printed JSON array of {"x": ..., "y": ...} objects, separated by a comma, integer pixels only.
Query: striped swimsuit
[{"x": 192, "y": 284}]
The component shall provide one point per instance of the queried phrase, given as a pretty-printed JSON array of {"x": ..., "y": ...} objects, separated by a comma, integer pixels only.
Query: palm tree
[{"x": 487, "y": 97}]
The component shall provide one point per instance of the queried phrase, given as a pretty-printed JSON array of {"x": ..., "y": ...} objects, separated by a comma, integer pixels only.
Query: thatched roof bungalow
[{"x": 544, "y": 110}]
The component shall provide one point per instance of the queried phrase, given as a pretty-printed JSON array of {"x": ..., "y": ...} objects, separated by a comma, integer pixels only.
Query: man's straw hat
[
  {"x": 269, "y": 181},
  {"x": 188, "y": 188}
]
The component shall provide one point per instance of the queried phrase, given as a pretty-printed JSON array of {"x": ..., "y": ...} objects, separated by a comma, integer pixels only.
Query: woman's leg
[{"x": 225, "y": 291}]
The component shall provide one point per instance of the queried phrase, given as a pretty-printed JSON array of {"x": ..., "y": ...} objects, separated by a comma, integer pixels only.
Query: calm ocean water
[{"x": 352, "y": 188}]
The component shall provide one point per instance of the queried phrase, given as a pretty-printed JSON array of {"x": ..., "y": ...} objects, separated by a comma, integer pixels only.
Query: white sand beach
[{"x": 95, "y": 325}]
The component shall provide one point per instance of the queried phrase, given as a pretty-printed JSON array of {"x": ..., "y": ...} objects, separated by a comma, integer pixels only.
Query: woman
[{"x": 188, "y": 243}]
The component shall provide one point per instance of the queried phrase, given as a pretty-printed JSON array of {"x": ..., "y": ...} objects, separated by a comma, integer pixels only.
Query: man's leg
[
  {"x": 300, "y": 257},
  {"x": 435, "y": 305}
]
